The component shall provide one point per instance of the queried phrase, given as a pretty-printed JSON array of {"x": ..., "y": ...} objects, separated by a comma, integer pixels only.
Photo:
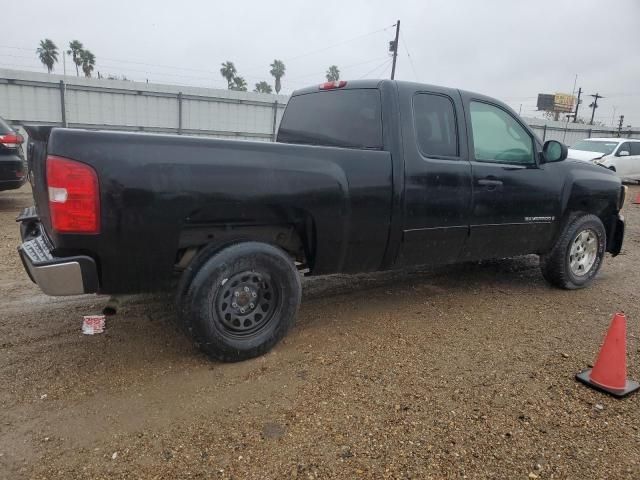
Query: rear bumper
[
  {"x": 13, "y": 172},
  {"x": 616, "y": 236},
  {"x": 58, "y": 276},
  {"x": 12, "y": 184}
]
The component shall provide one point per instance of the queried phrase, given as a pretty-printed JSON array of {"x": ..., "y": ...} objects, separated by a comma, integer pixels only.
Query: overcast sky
[{"x": 508, "y": 49}]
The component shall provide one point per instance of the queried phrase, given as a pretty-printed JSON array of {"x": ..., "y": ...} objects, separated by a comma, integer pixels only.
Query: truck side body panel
[{"x": 153, "y": 187}]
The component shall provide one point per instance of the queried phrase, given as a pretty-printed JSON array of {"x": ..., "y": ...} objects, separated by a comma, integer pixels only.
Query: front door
[{"x": 515, "y": 199}]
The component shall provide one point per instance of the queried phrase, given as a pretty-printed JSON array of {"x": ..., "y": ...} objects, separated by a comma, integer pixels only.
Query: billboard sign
[
  {"x": 557, "y": 102},
  {"x": 564, "y": 102},
  {"x": 546, "y": 102}
]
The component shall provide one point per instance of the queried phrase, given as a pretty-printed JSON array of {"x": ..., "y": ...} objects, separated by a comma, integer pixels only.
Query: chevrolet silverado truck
[{"x": 364, "y": 176}]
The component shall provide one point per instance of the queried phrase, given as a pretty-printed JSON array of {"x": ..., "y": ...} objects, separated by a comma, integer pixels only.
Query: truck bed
[{"x": 161, "y": 194}]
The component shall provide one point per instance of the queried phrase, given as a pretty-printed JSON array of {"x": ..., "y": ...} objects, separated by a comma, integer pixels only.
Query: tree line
[{"x": 83, "y": 59}]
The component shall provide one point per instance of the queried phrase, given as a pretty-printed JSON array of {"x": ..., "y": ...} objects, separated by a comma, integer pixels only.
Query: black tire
[
  {"x": 238, "y": 302},
  {"x": 556, "y": 265}
]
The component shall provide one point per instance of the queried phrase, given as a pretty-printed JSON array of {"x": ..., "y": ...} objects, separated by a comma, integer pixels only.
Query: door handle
[{"x": 490, "y": 183}]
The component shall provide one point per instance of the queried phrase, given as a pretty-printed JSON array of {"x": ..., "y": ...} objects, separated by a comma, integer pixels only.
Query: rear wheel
[
  {"x": 237, "y": 303},
  {"x": 578, "y": 253}
]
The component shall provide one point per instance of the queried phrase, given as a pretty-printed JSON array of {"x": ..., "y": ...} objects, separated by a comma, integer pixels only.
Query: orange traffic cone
[
  {"x": 609, "y": 373},
  {"x": 637, "y": 199}
]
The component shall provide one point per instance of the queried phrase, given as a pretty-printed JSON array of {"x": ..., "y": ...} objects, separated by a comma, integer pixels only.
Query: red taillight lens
[
  {"x": 74, "y": 196},
  {"x": 332, "y": 85},
  {"x": 11, "y": 139}
]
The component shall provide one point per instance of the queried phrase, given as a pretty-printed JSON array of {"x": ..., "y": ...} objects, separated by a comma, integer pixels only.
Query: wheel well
[
  {"x": 298, "y": 244},
  {"x": 606, "y": 216}
]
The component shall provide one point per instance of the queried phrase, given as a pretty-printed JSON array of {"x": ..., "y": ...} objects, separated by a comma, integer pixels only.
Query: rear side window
[
  {"x": 635, "y": 148},
  {"x": 4, "y": 127},
  {"x": 435, "y": 124},
  {"x": 339, "y": 118}
]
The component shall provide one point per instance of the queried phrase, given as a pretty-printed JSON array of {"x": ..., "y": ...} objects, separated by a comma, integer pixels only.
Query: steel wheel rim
[
  {"x": 246, "y": 303},
  {"x": 583, "y": 252}
]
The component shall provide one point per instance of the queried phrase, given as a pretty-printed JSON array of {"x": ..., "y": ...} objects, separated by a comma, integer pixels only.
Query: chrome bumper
[{"x": 58, "y": 276}]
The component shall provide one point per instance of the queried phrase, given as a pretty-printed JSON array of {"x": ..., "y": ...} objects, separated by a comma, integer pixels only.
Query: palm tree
[
  {"x": 239, "y": 84},
  {"x": 88, "y": 62},
  {"x": 75, "y": 50},
  {"x": 333, "y": 74},
  {"x": 228, "y": 71},
  {"x": 277, "y": 70},
  {"x": 263, "y": 87},
  {"x": 48, "y": 53}
]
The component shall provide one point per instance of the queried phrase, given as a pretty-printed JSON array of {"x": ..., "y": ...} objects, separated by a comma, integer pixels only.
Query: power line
[
  {"x": 339, "y": 43},
  {"x": 380, "y": 67},
  {"x": 213, "y": 73},
  {"x": 345, "y": 67},
  {"x": 406, "y": 49}
]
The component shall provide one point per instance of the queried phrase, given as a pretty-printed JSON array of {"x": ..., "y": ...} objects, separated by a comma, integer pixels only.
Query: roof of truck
[{"x": 371, "y": 83}]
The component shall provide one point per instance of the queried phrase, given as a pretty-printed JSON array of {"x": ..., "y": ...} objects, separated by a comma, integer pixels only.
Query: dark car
[
  {"x": 13, "y": 167},
  {"x": 364, "y": 176}
]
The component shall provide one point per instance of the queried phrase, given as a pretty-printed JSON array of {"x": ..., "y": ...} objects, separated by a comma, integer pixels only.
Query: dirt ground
[{"x": 457, "y": 372}]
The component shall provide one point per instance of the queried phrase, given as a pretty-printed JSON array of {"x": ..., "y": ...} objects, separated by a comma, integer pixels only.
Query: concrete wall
[{"x": 28, "y": 97}]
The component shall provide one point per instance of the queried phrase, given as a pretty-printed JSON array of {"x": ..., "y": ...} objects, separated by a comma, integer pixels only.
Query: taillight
[
  {"x": 332, "y": 85},
  {"x": 74, "y": 196},
  {"x": 11, "y": 139}
]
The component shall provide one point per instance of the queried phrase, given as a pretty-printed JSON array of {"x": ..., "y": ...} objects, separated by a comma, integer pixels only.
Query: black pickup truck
[{"x": 364, "y": 176}]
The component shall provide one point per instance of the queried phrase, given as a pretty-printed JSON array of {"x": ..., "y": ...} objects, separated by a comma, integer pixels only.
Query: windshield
[{"x": 595, "y": 146}]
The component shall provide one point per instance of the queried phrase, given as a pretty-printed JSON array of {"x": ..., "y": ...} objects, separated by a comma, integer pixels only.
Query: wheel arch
[{"x": 297, "y": 240}]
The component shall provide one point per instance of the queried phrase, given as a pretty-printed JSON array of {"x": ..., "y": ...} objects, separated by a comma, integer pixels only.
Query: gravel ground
[{"x": 458, "y": 372}]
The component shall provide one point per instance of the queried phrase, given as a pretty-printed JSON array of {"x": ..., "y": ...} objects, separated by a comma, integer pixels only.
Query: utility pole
[
  {"x": 620, "y": 125},
  {"x": 594, "y": 105},
  {"x": 613, "y": 115},
  {"x": 393, "y": 47},
  {"x": 575, "y": 114}
]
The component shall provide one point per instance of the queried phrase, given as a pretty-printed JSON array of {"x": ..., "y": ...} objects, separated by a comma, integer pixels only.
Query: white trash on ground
[{"x": 92, "y": 324}]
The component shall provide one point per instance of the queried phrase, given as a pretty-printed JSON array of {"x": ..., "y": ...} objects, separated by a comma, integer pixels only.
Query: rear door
[
  {"x": 437, "y": 176},
  {"x": 515, "y": 199}
]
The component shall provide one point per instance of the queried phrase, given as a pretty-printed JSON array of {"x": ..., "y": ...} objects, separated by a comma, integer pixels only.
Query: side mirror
[
  {"x": 623, "y": 153},
  {"x": 554, "y": 151}
]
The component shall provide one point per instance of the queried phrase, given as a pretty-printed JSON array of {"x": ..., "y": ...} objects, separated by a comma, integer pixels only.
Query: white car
[{"x": 622, "y": 155}]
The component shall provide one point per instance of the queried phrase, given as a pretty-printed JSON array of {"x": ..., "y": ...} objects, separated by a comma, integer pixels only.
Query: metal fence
[
  {"x": 27, "y": 97},
  {"x": 569, "y": 133}
]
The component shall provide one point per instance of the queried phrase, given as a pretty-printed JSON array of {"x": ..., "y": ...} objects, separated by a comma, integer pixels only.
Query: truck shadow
[{"x": 509, "y": 271}]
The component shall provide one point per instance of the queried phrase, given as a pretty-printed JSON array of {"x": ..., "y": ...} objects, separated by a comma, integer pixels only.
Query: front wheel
[
  {"x": 239, "y": 302},
  {"x": 577, "y": 255}
]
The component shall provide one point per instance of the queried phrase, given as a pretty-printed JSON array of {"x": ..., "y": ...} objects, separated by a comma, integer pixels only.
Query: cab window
[
  {"x": 434, "y": 121},
  {"x": 498, "y": 137}
]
